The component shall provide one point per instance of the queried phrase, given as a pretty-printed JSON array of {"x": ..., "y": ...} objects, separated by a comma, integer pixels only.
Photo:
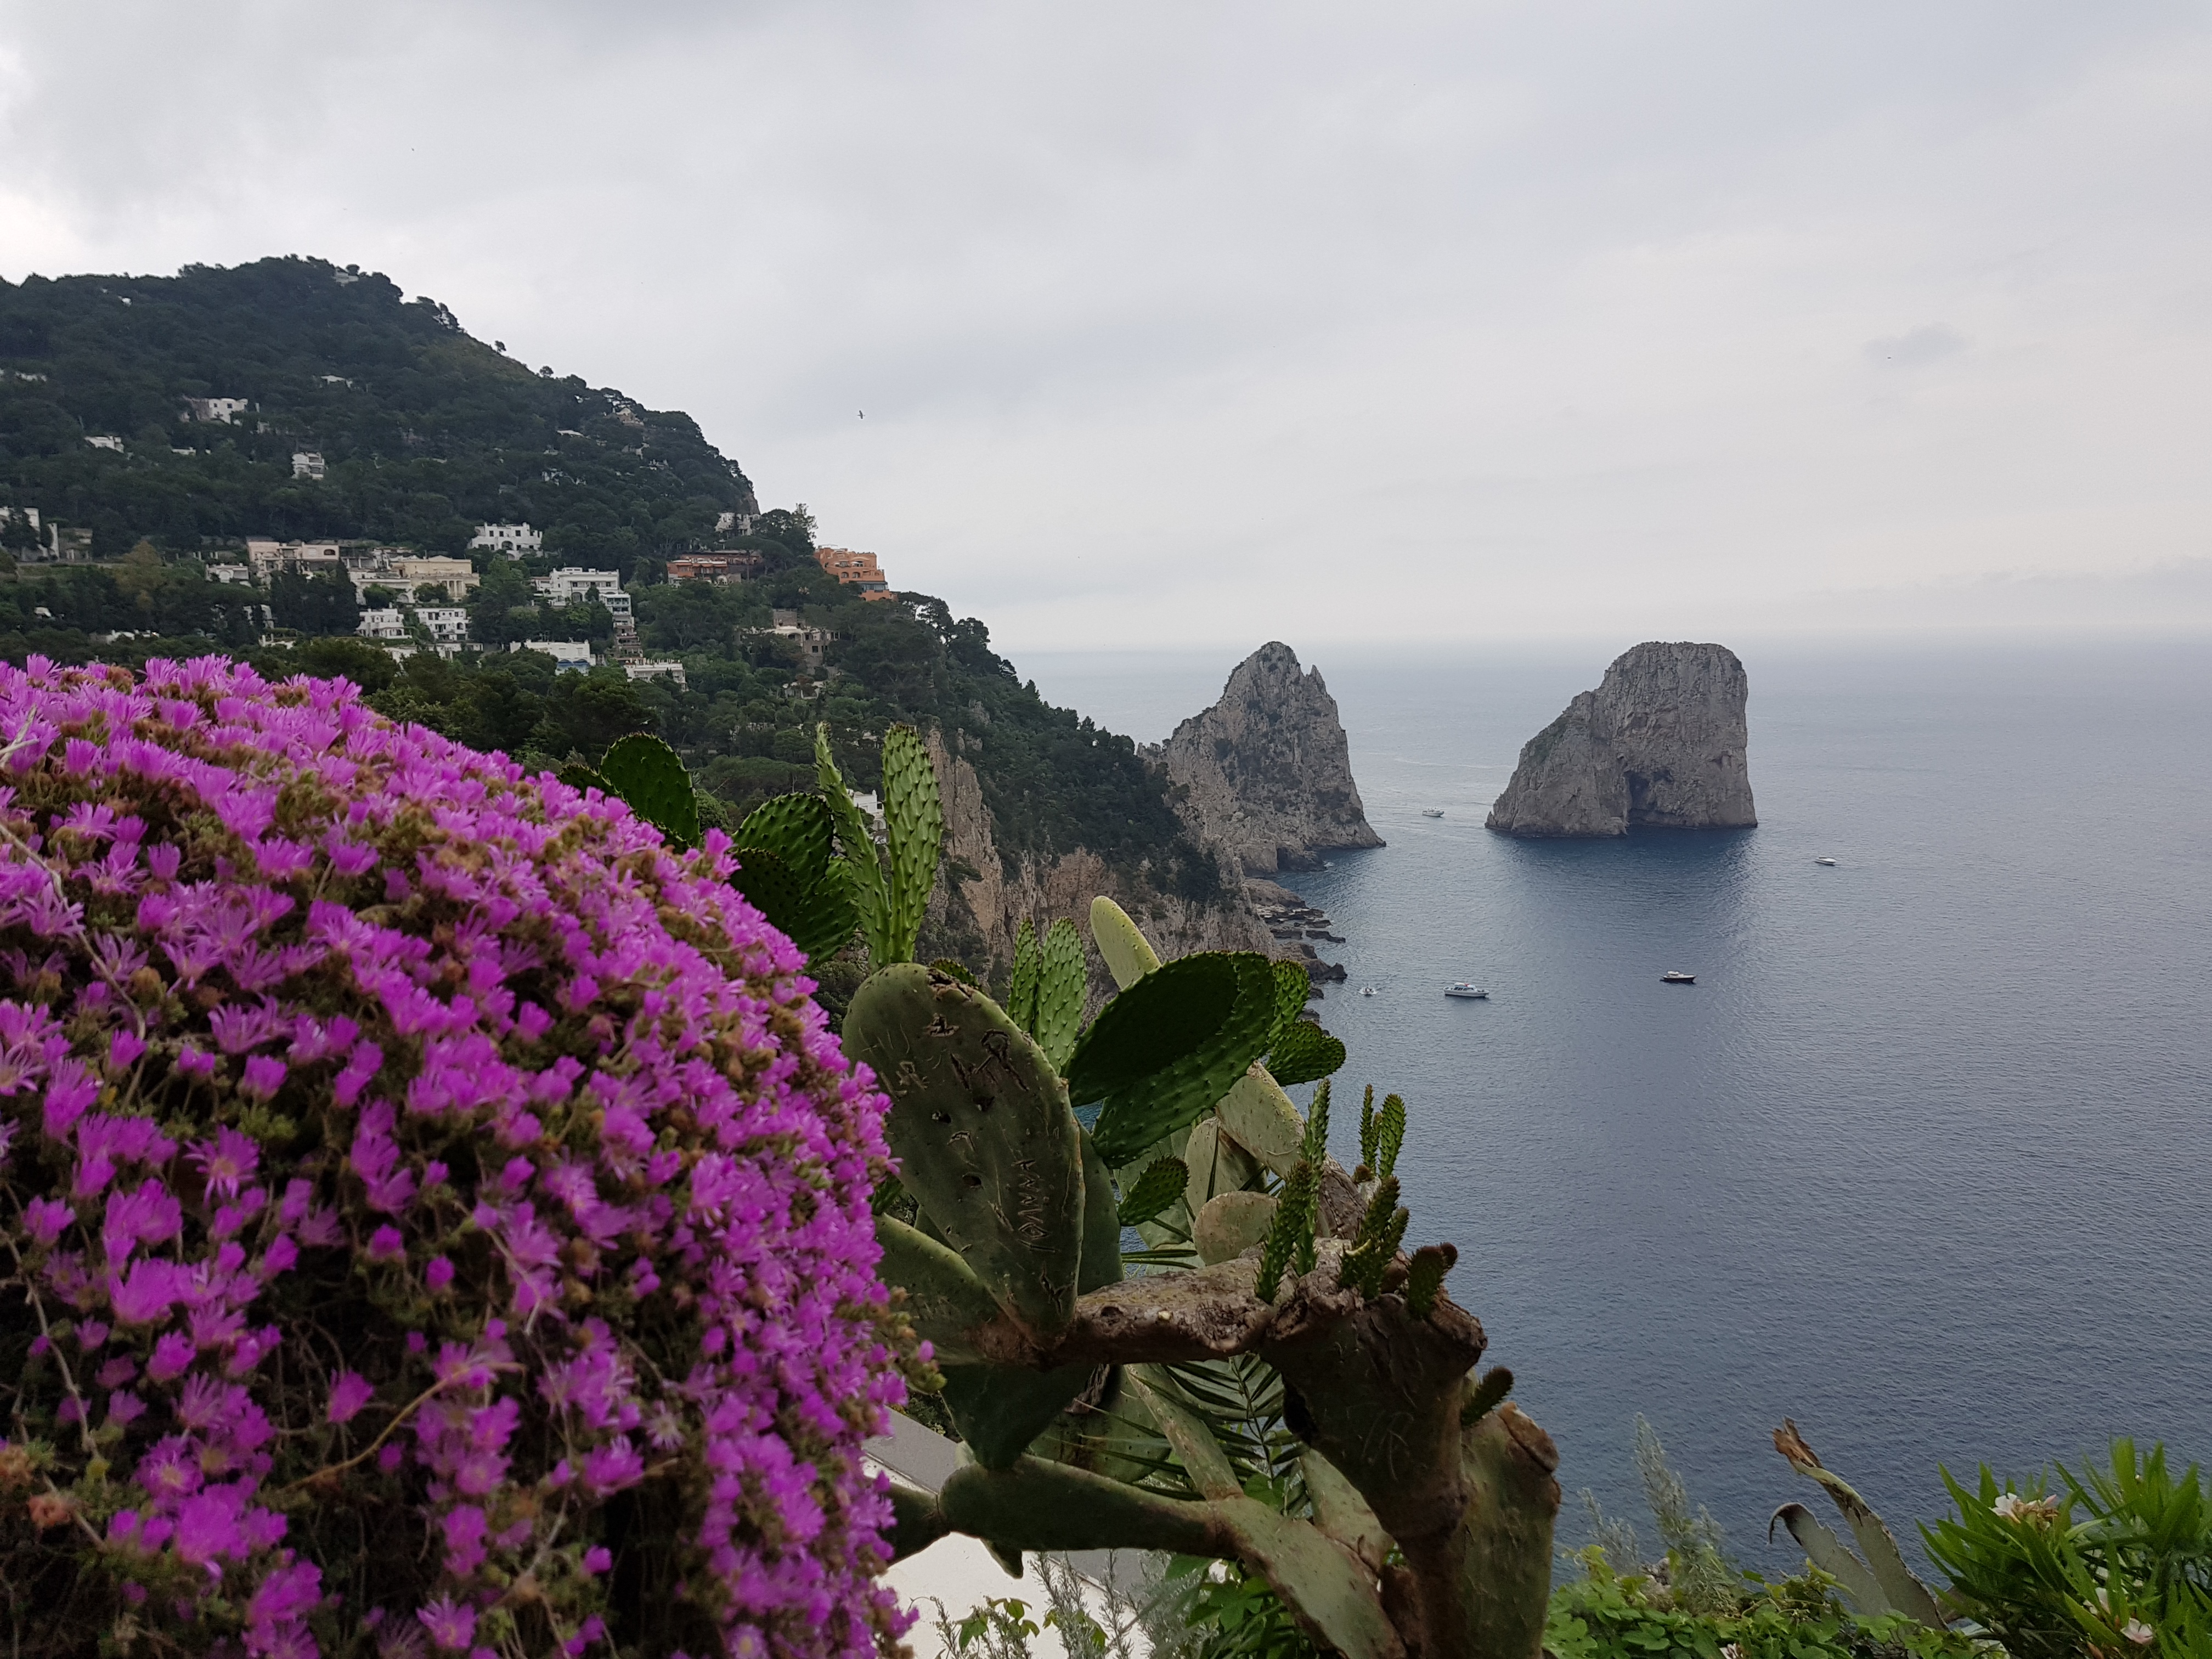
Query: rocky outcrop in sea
[
  {"x": 1660, "y": 744},
  {"x": 1266, "y": 772}
]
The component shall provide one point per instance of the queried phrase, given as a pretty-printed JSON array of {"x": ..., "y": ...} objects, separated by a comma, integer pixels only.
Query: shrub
[
  {"x": 435, "y": 1219},
  {"x": 2132, "y": 1573}
]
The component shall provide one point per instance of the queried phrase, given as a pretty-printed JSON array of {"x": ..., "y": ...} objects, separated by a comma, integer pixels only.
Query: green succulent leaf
[
  {"x": 1028, "y": 964},
  {"x": 1165, "y": 1049},
  {"x": 1303, "y": 1053},
  {"x": 577, "y": 775},
  {"x": 1164, "y": 1181},
  {"x": 914, "y": 819},
  {"x": 859, "y": 847},
  {"x": 1061, "y": 981},
  {"x": 957, "y": 970},
  {"x": 797, "y": 828},
  {"x": 652, "y": 777}
]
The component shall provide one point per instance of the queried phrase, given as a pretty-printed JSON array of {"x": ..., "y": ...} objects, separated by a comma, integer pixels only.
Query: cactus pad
[
  {"x": 981, "y": 1125},
  {"x": 914, "y": 823},
  {"x": 1231, "y": 1224},
  {"x": 651, "y": 777},
  {"x": 1166, "y": 1049},
  {"x": 1127, "y": 954},
  {"x": 1062, "y": 980},
  {"x": 1029, "y": 964},
  {"x": 1260, "y": 1117},
  {"x": 857, "y": 844},
  {"x": 1303, "y": 1052},
  {"x": 1162, "y": 1185},
  {"x": 942, "y": 1299}
]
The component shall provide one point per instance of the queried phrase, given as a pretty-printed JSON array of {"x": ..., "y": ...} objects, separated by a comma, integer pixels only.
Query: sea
[{"x": 1923, "y": 1159}]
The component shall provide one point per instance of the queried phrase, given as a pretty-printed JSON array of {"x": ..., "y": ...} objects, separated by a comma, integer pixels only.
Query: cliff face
[
  {"x": 1661, "y": 743},
  {"x": 977, "y": 905},
  {"x": 1266, "y": 772}
]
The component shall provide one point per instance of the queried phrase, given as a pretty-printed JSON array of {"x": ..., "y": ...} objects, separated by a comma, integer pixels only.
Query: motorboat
[
  {"x": 1367, "y": 990},
  {"x": 1677, "y": 976},
  {"x": 1432, "y": 811},
  {"x": 1824, "y": 859},
  {"x": 1467, "y": 992}
]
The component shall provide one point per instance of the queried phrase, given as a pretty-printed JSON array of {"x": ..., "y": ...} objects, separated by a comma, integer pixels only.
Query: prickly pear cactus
[{"x": 981, "y": 1125}]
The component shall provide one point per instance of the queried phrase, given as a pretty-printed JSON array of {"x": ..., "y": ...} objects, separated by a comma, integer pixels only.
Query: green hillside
[
  {"x": 435, "y": 431},
  {"x": 425, "y": 431}
]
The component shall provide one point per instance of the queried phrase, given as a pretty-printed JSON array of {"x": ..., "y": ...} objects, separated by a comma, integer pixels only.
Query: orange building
[
  {"x": 714, "y": 566},
  {"x": 855, "y": 569}
]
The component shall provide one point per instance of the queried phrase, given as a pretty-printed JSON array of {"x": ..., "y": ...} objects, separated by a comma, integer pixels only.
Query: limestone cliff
[
  {"x": 978, "y": 904},
  {"x": 1660, "y": 744},
  {"x": 1266, "y": 772}
]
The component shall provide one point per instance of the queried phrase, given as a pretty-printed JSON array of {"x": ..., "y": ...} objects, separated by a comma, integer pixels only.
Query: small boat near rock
[
  {"x": 1677, "y": 976},
  {"x": 1367, "y": 990},
  {"x": 1432, "y": 811},
  {"x": 1466, "y": 992}
]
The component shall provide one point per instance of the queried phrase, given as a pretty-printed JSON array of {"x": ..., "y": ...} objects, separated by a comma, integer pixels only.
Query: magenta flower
[
  {"x": 506, "y": 1022},
  {"x": 350, "y": 1392},
  {"x": 263, "y": 1076},
  {"x": 451, "y": 1626},
  {"x": 231, "y": 1158}
]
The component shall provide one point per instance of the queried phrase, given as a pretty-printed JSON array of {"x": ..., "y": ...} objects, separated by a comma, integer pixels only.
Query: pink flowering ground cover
[{"x": 434, "y": 1218}]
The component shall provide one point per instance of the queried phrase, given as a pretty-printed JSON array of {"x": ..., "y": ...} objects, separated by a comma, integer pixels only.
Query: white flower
[
  {"x": 2138, "y": 1632},
  {"x": 1730, "y": 1650},
  {"x": 2009, "y": 1507}
]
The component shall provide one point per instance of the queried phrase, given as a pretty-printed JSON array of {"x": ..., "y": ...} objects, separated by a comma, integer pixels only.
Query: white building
[
  {"x": 573, "y": 585},
  {"x": 306, "y": 464},
  {"x": 570, "y": 654},
  {"x": 226, "y": 409},
  {"x": 269, "y": 556},
  {"x": 742, "y": 523},
  {"x": 386, "y": 623},
  {"x": 656, "y": 671},
  {"x": 449, "y": 624},
  {"x": 105, "y": 442},
  {"x": 412, "y": 570},
  {"x": 237, "y": 573},
  {"x": 513, "y": 539}
]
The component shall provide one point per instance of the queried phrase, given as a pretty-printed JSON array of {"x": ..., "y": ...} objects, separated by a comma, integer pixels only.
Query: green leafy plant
[
  {"x": 1607, "y": 1614},
  {"x": 2112, "y": 1562}
]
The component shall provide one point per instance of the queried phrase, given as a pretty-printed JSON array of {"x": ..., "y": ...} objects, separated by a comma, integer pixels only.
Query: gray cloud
[{"x": 1183, "y": 323}]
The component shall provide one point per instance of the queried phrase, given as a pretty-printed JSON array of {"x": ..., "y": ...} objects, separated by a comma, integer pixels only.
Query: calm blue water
[{"x": 1921, "y": 1160}]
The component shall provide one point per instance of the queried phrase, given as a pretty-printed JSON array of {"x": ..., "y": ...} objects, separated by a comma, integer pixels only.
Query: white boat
[
  {"x": 1824, "y": 859},
  {"x": 1677, "y": 976},
  {"x": 1367, "y": 990},
  {"x": 1468, "y": 993},
  {"x": 1432, "y": 811}
]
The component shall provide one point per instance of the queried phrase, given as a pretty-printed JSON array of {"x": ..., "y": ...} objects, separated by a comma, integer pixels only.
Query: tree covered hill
[{"x": 425, "y": 432}]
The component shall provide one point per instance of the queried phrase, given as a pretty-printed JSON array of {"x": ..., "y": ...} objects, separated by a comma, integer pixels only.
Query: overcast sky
[{"x": 1189, "y": 323}]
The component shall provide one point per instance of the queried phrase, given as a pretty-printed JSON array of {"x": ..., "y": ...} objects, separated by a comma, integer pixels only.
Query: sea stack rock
[
  {"x": 1266, "y": 772},
  {"x": 1660, "y": 745}
]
